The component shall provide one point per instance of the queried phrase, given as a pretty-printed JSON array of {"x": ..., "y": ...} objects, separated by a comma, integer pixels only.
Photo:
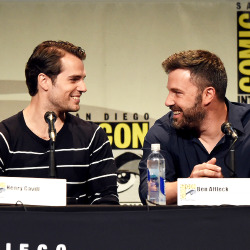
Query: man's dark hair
[
  {"x": 206, "y": 69},
  {"x": 46, "y": 58}
]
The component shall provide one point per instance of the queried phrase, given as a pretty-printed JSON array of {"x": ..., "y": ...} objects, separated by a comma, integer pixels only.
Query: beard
[{"x": 192, "y": 117}]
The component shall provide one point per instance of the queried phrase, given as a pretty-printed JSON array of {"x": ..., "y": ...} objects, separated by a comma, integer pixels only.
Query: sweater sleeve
[
  {"x": 4, "y": 149},
  {"x": 102, "y": 183}
]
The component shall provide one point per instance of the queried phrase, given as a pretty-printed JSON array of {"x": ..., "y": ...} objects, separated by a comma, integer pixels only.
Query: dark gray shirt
[{"x": 182, "y": 150}]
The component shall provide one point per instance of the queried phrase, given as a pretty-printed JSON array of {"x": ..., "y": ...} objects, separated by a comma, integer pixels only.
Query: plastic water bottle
[{"x": 156, "y": 176}]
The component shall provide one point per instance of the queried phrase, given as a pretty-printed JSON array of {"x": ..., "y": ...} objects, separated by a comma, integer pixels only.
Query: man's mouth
[
  {"x": 76, "y": 97},
  {"x": 176, "y": 110}
]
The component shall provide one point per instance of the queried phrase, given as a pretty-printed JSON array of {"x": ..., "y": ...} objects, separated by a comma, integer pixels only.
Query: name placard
[
  {"x": 213, "y": 191},
  {"x": 33, "y": 191}
]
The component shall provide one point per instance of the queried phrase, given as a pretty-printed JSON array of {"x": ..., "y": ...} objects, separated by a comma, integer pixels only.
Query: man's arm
[
  {"x": 143, "y": 188},
  {"x": 102, "y": 182},
  {"x": 4, "y": 149},
  {"x": 171, "y": 192}
]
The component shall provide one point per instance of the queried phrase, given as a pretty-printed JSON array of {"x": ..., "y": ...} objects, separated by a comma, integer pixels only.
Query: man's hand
[{"x": 207, "y": 169}]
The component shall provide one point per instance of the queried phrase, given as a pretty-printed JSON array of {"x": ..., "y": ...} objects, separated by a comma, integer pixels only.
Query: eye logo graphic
[{"x": 128, "y": 177}]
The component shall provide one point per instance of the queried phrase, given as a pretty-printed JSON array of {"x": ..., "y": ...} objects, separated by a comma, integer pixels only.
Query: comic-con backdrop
[{"x": 125, "y": 44}]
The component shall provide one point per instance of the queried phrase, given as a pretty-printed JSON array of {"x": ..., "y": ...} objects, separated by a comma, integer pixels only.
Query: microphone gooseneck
[
  {"x": 227, "y": 129},
  {"x": 50, "y": 117}
]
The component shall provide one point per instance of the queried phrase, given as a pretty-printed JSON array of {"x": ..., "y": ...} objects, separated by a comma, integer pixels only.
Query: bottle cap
[{"x": 155, "y": 147}]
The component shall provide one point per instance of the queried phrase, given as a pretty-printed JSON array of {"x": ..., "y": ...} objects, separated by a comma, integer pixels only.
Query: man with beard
[{"x": 190, "y": 135}]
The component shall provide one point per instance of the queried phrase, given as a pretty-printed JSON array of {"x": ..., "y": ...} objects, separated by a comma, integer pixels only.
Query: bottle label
[
  {"x": 153, "y": 182},
  {"x": 162, "y": 185}
]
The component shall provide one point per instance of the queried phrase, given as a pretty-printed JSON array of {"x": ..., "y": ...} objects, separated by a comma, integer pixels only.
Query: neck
[
  {"x": 34, "y": 119},
  {"x": 210, "y": 129}
]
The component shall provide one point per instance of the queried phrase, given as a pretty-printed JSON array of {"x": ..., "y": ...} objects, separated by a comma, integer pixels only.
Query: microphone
[
  {"x": 50, "y": 118},
  {"x": 227, "y": 129}
]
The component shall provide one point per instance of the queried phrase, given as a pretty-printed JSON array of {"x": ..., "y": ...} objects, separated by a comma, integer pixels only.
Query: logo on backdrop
[
  {"x": 124, "y": 130},
  {"x": 243, "y": 52}
]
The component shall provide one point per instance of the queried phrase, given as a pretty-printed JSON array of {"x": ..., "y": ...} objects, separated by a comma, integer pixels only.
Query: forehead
[
  {"x": 71, "y": 63},
  {"x": 180, "y": 79}
]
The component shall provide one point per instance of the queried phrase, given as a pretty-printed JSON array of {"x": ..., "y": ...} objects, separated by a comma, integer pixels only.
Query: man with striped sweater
[{"x": 55, "y": 76}]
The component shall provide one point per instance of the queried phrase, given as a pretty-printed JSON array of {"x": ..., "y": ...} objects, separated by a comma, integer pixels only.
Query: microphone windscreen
[
  {"x": 225, "y": 126},
  {"x": 50, "y": 116}
]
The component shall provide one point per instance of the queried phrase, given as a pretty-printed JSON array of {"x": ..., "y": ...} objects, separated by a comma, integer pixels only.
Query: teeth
[
  {"x": 177, "y": 112},
  {"x": 76, "y": 98}
]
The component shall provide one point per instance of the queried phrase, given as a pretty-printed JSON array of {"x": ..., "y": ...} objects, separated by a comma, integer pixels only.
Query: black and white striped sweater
[{"x": 82, "y": 153}]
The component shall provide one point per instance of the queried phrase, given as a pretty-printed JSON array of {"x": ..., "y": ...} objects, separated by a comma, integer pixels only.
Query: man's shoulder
[
  {"x": 12, "y": 122},
  {"x": 163, "y": 123},
  {"x": 12, "y": 127},
  {"x": 162, "y": 127},
  {"x": 75, "y": 124},
  {"x": 165, "y": 120},
  {"x": 240, "y": 110},
  {"x": 238, "y": 105},
  {"x": 239, "y": 116}
]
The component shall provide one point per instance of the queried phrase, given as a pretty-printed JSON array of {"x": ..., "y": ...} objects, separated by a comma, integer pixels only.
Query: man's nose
[
  {"x": 169, "y": 100},
  {"x": 82, "y": 86}
]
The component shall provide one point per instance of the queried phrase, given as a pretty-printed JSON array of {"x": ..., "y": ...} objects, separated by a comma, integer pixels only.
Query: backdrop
[{"x": 125, "y": 43}]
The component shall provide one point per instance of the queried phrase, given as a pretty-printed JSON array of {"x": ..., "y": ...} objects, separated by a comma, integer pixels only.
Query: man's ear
[
  {"x": 43, "y": 81},
  {"x": 208, "y": 95}
]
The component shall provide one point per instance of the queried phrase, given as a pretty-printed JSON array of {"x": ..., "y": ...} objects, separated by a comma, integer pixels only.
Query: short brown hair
[
  {"x": 206, "y": 69},
  {"x": 46, "y": 59}
]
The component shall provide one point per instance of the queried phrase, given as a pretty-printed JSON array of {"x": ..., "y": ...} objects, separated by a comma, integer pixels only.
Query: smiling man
[
  {"x": 55, "y": 77},
  {"x": 190, "y": 135}
]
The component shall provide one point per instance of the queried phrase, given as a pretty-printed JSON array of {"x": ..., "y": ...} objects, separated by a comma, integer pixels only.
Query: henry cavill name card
[{"x": 33, "y": 191}]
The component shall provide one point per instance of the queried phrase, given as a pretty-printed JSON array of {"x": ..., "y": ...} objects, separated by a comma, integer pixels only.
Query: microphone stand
[
  {"x": 52, "y": 162},
  {"x": 228, "y": 130},
  {"x": 232, "y": 159},
  {"x": 50, "y": 118}
]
